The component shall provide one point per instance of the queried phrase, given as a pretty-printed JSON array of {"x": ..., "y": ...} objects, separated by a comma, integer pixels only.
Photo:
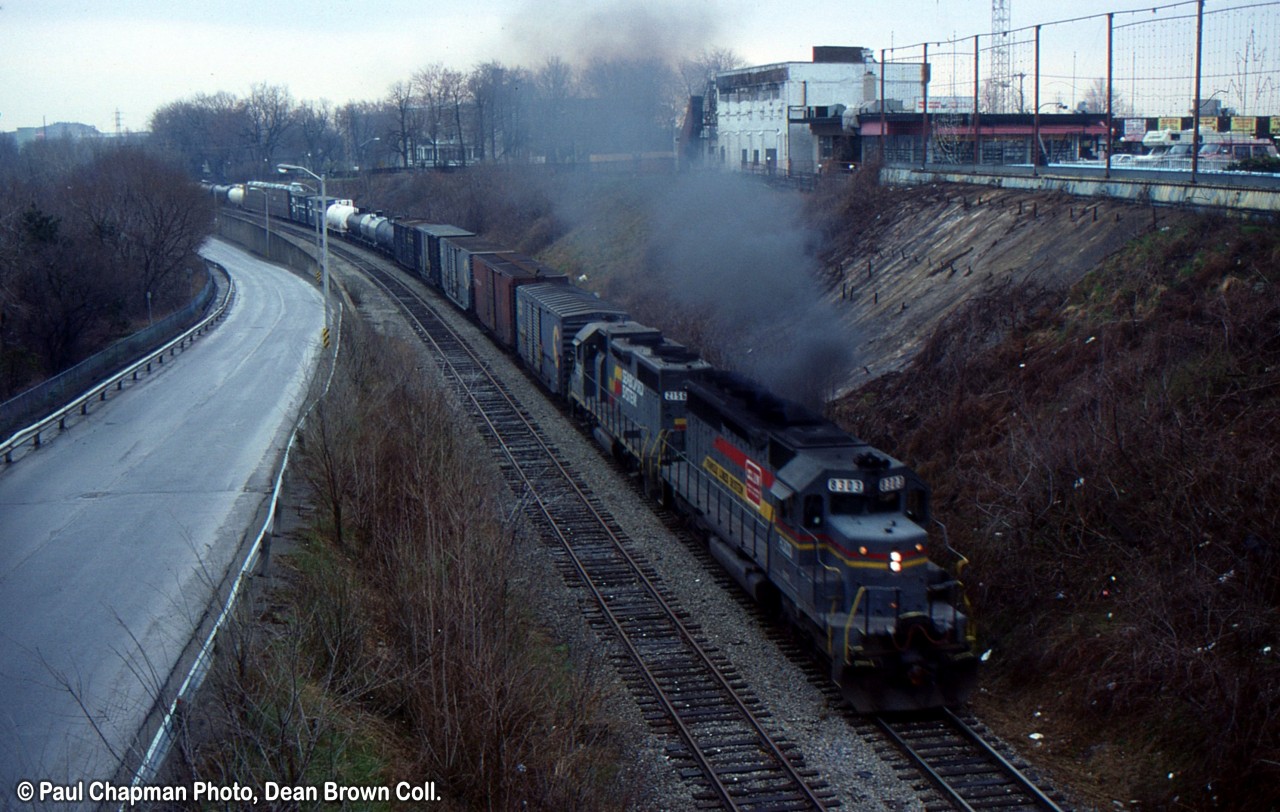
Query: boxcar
[
  {"x": 428, "y": 263},
  {"x": 548, "y": 316},
  {"x": 456, "y": 254},
  {"x": 276, "y": 197},
  {"x": 494, "y": 279},
  {"x": 406, "y": 242}
]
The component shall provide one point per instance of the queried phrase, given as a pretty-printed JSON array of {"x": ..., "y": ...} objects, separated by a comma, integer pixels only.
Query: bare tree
[
  {"x": 698, "y": 71},
  {"x": 635, "y": 104},
  {"x": 427, "y": 82},
  {"x": 358, "y": 124},
  {"x": 316, "y": 126},
  {"x": 1095, "y": 99},
  {"x": 453, "y": 96},
  {"x": 207, "y": 133},
  {"x": 149, "y": 216},
  {"x": 555, "y": 88},
  {"x": 271, "y": 114},
  {"x": 405, "y": 120}
]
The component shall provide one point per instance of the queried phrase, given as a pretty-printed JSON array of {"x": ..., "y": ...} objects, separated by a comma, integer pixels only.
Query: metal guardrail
[
  {"x": 34, "y": 433},
  {"x": 170, "y": 708}
]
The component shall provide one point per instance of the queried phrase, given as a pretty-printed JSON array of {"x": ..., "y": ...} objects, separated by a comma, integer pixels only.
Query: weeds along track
[{"x": 684, "y": 686}]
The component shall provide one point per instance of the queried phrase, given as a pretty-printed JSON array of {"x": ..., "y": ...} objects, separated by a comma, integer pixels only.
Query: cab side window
[{"x": 813, "y": 510}]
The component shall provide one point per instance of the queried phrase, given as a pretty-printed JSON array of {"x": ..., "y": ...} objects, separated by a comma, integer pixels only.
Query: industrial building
[{"x": 798, "y": 117}]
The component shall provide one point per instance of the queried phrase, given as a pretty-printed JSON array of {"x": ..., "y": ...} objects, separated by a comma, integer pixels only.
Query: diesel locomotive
[{"x": 806, "y": 518}]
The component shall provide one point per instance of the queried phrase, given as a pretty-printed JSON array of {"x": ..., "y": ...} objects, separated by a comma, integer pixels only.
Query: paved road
[{"x": 112, "y": 535}]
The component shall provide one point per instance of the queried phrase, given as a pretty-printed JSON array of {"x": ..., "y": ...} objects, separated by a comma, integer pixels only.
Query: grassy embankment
[{"x": 399, "y": 644}]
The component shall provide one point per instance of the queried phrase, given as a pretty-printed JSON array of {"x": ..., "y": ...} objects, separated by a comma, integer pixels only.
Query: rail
[
  {"x": 472, "y": 377},
  {"x": 34, "y": 433}
]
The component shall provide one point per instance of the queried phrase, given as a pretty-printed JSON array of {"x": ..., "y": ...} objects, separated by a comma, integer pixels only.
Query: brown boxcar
[{"x": 494, "y": 279}]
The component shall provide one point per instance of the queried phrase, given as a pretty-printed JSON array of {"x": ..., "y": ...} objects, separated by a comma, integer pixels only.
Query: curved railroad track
[{"x": 684, "y": 686}]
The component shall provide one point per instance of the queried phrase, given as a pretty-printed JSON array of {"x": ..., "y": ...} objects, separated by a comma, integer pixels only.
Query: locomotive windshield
[{"x": 851, "y": 504}]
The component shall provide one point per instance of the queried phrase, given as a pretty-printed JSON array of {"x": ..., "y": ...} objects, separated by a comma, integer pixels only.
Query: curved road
[{"x": 113, "y": 535}]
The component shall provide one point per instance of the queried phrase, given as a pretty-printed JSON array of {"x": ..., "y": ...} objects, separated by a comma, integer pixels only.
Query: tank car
[
  {"x": 337, "y": 215},
  {"x": 831, "y": 530}
]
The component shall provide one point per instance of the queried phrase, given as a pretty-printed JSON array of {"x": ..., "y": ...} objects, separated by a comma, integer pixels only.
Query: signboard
[
  {"x": 1169, "y": 123},
  {"x": 1134, "y": 129},
  {"x": 946, "y": 104},
  {"x": 1244, "y": 124},
  {"x": 1208, "y": 124}
]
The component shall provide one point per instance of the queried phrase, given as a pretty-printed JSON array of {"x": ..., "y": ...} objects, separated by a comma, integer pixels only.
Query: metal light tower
[
  {"x": 1001, "y": 69},
  {"x": 324, "y": 240}
]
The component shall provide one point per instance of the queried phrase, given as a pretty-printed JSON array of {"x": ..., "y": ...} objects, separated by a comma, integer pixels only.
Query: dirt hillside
[{"x": 903, "y": 260}]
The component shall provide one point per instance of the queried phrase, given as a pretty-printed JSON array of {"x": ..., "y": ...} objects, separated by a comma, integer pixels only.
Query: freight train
[{"x": 805, "y": 517}]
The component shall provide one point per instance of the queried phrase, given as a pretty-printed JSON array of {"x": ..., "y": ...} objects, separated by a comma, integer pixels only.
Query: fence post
[
  {"x": 1111, "y": 122},
  {"x": 924, "y": 111},
  {"x": 976, "y": 118},
  {"x": 1195, "y": 114}
]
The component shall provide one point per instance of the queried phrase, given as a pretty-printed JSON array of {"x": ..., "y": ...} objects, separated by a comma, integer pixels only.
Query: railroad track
[
  {"x": 964, "y": 771},
  {"x": 683, "y": 685}
]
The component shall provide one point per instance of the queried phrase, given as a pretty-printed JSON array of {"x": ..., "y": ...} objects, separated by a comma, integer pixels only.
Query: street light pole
[{"x": 324, "y": 238}]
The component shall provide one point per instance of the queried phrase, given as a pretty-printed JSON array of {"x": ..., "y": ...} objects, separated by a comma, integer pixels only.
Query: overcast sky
[{"x": 82, "y": 60}]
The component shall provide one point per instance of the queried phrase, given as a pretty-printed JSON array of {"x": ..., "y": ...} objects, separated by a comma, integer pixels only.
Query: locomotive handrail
[
  {"x": 98, "y": 391},
  {"x": 848, "y": 624}
]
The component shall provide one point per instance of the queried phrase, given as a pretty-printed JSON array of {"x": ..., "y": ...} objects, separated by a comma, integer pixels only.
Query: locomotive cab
[
  {"x": 632, "y": 382},
  {"x": 894, "y": 630},
  {"x": 795, "y": 506}
]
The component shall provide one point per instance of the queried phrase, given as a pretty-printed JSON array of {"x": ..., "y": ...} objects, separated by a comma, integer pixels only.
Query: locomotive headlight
[{"x": 895, "y": 561}]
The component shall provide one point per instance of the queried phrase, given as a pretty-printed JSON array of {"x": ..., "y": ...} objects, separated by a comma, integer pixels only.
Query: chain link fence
[{"x": 44, "y": 398}]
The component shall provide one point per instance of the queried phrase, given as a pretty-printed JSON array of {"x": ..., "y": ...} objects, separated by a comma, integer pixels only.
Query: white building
[{"x": 798, "y": 117}]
